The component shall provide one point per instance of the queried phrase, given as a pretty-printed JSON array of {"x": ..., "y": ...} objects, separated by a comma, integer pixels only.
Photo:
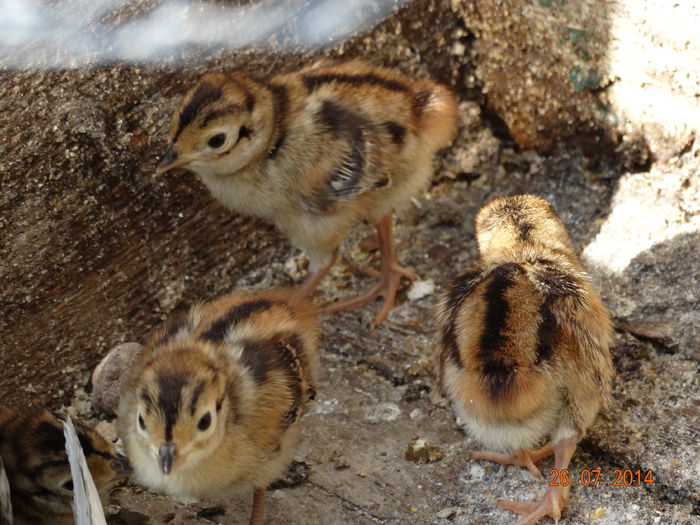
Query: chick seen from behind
[
  {"x": 215, "y": 400},
  {"x": 316, "y": 151},
  {"x": 523, "y": 347},
  {"x": 32, "y": 447}
]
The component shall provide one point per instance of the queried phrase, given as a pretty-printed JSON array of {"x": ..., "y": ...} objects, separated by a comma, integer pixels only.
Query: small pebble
[
  {"x": 382, "y": 412},
  {"x": 110, "y": 376},
  {"x": 422, "y": 451},
  {"x": 421, "y": 289}
]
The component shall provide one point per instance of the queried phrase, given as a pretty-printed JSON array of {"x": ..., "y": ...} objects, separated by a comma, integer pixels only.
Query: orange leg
[
  {"x": 315, "y": 277},
  {"x": 519, "y": 458},
  {"x": 389, "y": 279},
  {"x": 257, "y": 515},
  {"x": 556, "y": 498}
]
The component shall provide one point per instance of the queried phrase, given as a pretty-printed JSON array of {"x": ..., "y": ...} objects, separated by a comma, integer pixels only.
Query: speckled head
[{"x": 520, "y": 220}]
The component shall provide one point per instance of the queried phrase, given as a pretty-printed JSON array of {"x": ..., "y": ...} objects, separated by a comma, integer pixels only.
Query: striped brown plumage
[
  {"x": 523, "y": 345},
  {"x": 316, "y": 151},
  {"x": 215, "y": 400},
  {"x": 32, "y": 447}
]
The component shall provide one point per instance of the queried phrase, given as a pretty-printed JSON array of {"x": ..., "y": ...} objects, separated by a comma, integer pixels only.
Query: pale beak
[
  {"x": 171, "y": 160},
  {"x": 167, "y": 454}
]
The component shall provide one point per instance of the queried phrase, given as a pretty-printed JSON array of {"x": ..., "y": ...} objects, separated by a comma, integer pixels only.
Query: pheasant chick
[
  {"x": 316, "y": 151},
  {"x": 215, "y": 399},
  {"x": 32, "y": 447},
  {"x": 523, "y": 345}
]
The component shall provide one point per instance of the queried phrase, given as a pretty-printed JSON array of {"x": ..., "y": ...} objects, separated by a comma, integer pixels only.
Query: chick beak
[
  {"x": 171, "y": 160},
  {"x": 167, "y": 454}
]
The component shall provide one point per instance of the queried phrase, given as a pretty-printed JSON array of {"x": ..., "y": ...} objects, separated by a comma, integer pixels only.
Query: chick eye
[
  {"x": 204, "y": 422},
  {"x": 217, "y": 140},
  {"x": 142, "y": 424},
  {"x": 68, "y": 485}
]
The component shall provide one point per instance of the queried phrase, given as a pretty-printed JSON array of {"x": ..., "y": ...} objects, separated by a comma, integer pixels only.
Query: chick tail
[
  {"x": 526, "y": 393},
  {"x": 506, "y": 395},
  {"x": 439, "y": 116}
]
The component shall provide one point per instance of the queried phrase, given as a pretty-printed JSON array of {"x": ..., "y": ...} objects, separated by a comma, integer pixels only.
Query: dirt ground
[{"x": 96, "y": 250}]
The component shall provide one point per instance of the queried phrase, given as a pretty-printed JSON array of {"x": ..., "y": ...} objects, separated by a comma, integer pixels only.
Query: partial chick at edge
[
  {"x": 32, "y": 448},
  {"x": 315, "y": 152},
  {"x": 523, "y": 345},
  {"x": 215, "y": 400}
]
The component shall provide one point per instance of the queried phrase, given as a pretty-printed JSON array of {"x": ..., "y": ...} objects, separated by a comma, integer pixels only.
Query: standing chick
[
  {"x": 32, "y": 447},
  {"x": 524, "y": 337},
  {"x": 315, "y": 152},
  {"x": 216, "y": 397}
]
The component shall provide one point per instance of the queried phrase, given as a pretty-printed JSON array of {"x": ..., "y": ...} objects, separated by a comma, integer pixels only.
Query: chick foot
[
  {"x": 389, "y": 278},
  {"x": 519, "y": 458},
  {"x": 555, "y": 499}
]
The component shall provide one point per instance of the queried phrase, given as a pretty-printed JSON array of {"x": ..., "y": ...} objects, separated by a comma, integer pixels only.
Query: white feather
[
  {"x": 5, "y": 502},
  {"x": 87, "y": 508}
]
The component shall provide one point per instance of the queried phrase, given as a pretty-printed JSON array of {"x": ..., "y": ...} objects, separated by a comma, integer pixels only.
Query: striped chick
[
  {"x": 215, "y": 400},
  {"x": 316, "y": 151},
  {"x": 523, "y": 347}
]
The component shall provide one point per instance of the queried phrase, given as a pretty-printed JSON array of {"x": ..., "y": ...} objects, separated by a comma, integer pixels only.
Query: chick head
[
  {"x": 222, "y": 125},
  {"x": 181, "y": 410}
]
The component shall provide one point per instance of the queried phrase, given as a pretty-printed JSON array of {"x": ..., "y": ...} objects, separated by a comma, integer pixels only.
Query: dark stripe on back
[
  {"x": 259, "y": 357},
  {"x": 237, "y": 314},
  {"x": 398, "y": 132},
  {"x": 203, "y": 96},
  {"x": 498, "y": 372},
  {"x": 280, "y": 97},
  {"x": 555, "y": 284},
  {"x": 284, "y": 352},
  {"x": 460, "y": 289},
  {"x": 339, "y": 119},
  {"x": 312, "y": 82},
  {"x": 170, "y": 387},
  {"x": 546, "y": 332}
]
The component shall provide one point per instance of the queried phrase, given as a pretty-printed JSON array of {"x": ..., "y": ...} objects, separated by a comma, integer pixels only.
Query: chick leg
[
  {"x": 389, "y": 279},
  {"x": 556, "y": 498},
  {"x": 257, "y": 515},
  {"x": 313, "y": 278},
  {"x": 519, "y": 458}
]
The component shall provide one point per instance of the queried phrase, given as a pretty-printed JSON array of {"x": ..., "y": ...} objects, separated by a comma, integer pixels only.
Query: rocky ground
[{"x": 96, "y": 250}]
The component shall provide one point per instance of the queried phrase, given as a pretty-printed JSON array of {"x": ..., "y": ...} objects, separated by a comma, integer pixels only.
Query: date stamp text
[{"x": 593, "y": 477}]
